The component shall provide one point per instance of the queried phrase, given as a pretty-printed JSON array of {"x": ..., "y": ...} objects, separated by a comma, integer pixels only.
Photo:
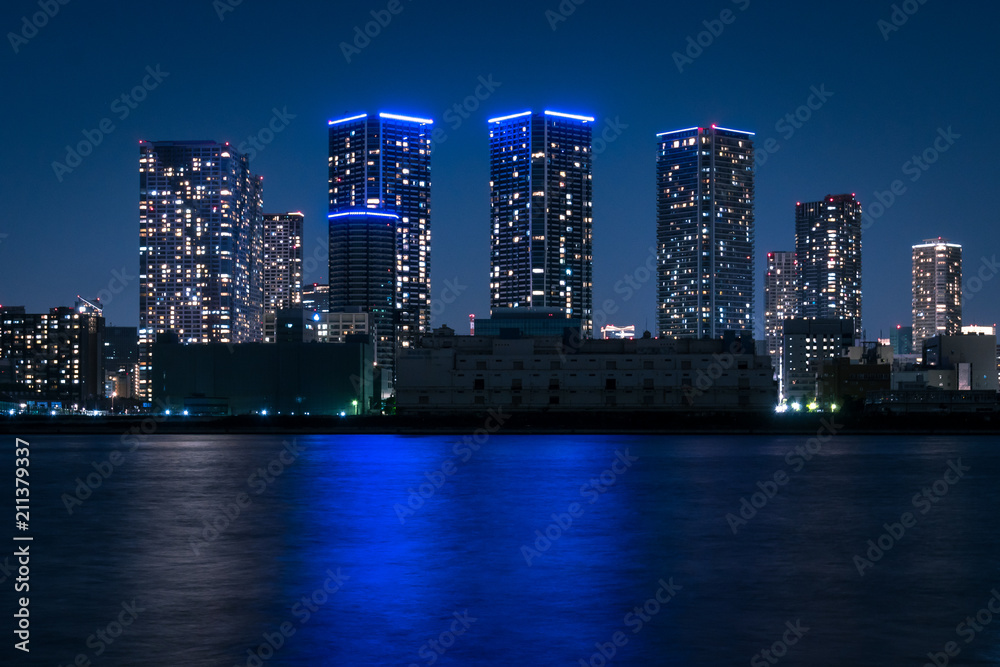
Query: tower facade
[
  {"x": 541, "y": 213},
  {"x": 705, "y": 232},
  {"x": 383, "y": 163},
  {"x": 363, "y": 274},
  {"x": 282, "y": 262},
  {"x": 828, "y": 249},
  {"x": 200, "y": 247},
  {"x": 937, "y": 290},
  {"x": 780, "y": 301}
]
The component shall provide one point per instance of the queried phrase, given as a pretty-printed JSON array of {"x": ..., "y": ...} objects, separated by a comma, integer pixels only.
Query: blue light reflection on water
[{"x": 333, "y": 508}]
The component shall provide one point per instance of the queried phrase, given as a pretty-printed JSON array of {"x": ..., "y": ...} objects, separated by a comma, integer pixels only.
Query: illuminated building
[
  {"x": 363, "y": 273},
  {"x": 978, "y": 329},
  {"x": 316, "y": 297},
  {"x": 937, "y": 290},
  {"x": 200, "y": 243},
  {"x": 610, "y": 332},
  {"x": 781, "y": 301},
  {"x": 282, "y": 261},
  {"x": 901, "y": 339},
  {"x": 828, "y": 251},
  {"x": 705, "y": 232},
  {"x": 56, "y": 355},
  {"x": 807, "y": 345},
  {"x": 121, "y": 353},
  {"x": 383, "y": 163},
  {"x": 541, "y": 216}
]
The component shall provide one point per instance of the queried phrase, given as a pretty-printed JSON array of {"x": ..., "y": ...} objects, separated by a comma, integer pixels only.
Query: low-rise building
[
  {"x": 971, "y": 356},
  {"x": 286, "y": 378},
  {"x": 807, "y": 345},
  {"x": 449, "y": 374}
]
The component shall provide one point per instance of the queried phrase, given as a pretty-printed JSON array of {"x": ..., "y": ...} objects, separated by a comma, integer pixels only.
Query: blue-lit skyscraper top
[
  {"x": 383, "y": 162},
  {"x": 541, "y": 223},
  {"x": 705, "y": 232}
]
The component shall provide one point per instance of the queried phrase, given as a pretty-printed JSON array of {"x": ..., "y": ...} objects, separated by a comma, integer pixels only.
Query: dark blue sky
[{"x": 222, "y": 80}]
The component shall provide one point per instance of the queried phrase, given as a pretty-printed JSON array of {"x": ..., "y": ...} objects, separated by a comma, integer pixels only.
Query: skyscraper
[
  {"x": 200, "y": 242},
  {"x": 781, "y": 301},
  {"x": 282, "y": 261},
  {"x": 828, "y": 250},
  {"x": 705, "y": 232},
  {"x": 937, "y": 290},
  {"x": 541, "y": 215},
  {"x": 363, "y": 273},
  {"x": 383, "y": 163},
  {"x": 901, "y": 339}
]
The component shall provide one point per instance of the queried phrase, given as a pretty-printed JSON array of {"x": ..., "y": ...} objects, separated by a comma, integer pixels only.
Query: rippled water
[{"x": 343, "y": 555}]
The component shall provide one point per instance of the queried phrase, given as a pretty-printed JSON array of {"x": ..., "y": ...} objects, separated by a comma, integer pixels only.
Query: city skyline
[{"x": 281, "y": 121}]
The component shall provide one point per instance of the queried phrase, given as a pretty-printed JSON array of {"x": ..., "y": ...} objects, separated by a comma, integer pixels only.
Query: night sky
[{"x": 885, "y": 101}]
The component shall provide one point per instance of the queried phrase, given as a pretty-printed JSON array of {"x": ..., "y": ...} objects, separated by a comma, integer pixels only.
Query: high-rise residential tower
[
  {"x": 781, "y": 301},
  {"x": 282, "y": 261},
  {"x": 200, "y": 243},
  {"x": 363, "y": 274},
  {"x": 937, "y": 290},
  {"x": 828, "y": 250},
  {"x": 383, "y": 162},
  {"x": 705, "y": 232},
  {"x": 541, "y": 215}
]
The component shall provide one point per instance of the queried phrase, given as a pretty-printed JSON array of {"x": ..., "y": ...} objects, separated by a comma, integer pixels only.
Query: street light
[{"x": 355, "y": 404}]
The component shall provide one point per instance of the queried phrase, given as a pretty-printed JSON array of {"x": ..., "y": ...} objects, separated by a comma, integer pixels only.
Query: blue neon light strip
[
  {"x": 344, "y": 120},
  {"x": 586, "y": 119},
  {"x": 406, "y": 118},
  {"x": 378, "y": 215},
  {"x": 731, "y": 130},
  {"x": 661, "y": 134},
  {"x": 516, "y": 115}
]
